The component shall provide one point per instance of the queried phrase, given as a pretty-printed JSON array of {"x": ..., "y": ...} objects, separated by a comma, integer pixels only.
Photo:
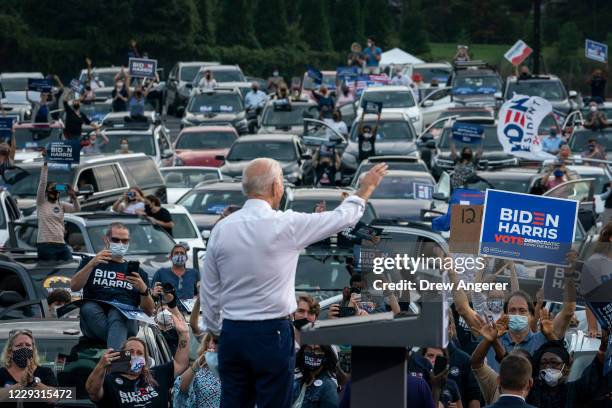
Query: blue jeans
[
  {"x": 52, "y": 251},
  {"x": 109, "y": 326},
  {"x": 256, "y": 363}
]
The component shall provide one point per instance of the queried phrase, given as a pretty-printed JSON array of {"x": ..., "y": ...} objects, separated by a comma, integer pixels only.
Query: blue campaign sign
[
  {"x": 67, "y": 152},
  {"x": 6, "y": 127},
  {"x": 372, "y": 107},
  {"x": 422, "y": 191},
  {"x": 347, "y": 73},
  {"x": 315, "y": 74},
  {"x": 467, "y": 132},
  {"x": 595, "y": 50},
  {"x": 527, "y": 227},
  {"x": 40, "y": 84},
  {"x": 142, "y": 67}
]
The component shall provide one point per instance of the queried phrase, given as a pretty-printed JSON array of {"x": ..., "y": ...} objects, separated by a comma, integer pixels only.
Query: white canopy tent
[{"x": 397, "y": 56}]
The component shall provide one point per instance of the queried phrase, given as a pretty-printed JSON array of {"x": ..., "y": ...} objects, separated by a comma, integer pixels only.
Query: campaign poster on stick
[
  {"x": 528, "y": 228},
  {"x": 518, "y": 53},
  {"x": 466, "y": 221},
  {"x": 554, "y": 283},
  {"x": 67, "y": 152},
  {"x": 372, "y": 107},
  {"x": 40, "y": 84},
  {"x": 595, "y": 50},
  {"x": 423, "y": 191},
  {"x": 470, "y": 133},
  {"x": 142, "y": 67}
]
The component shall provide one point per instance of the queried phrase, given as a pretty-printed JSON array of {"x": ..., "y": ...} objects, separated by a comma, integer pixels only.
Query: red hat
[{"x": 416, "y": 77}]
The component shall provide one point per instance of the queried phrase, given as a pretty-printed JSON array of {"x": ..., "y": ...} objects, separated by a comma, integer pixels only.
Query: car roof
[
  {"x": 111, "y": 69},
  {"x": 175, "y": 208},
  {"x": 214, "y": 68},
  {"x": 234, "y": 84},
  {"x": 90, "y": 159},
  {"x": 21, "y": 75},
  {"x": 525, "y": 174},
  {"x": 584, "y": 169},
  {"x": 197, "y": 63},
  {"x": 300, "y": 102},
  {"x": 319, "y": 193},
  {"x": 433, "y": 65},
  {"x": 179, "y": 168},
  {"x": 219, "y": 185},
  {"x": 384, "y": 116},
  {"x": 391, "y": 158},
  {"x": 56, "y": 124},
  {"x": 386, "y": 88},
  {"x": 408, "y": 173},
  {"x": 477, "y": 72},
  {"x": 43, "y": 328},
  {"x": 94, "y": 218},
  {"x": 534, "y": 78},
  {"x": 211, "y": 128},
  {"x": 272, "y": 137}
]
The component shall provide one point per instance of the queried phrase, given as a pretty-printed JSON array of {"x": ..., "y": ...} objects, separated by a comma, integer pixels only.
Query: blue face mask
[
  {"x": 558, "y": 173},
  {"x": 179, "y": 260},
  {"x": 118, "y": 250},
  {"x": 518, "y": 323},
  {"x": 212, "y": 360}
]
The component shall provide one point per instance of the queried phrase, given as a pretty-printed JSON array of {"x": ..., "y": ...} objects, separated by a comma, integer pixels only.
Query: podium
[{"x": 378, "y": 355}]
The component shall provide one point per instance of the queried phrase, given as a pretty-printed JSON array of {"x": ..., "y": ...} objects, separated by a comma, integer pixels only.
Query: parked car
[
  {"x": 395, "y": 99},
  {"x": 9, "y": 213},
  {"x": 185, "y": 229},
  {"x": 215, "y": 107},
  {"x": 14, "y": 84},
  {"x": 288, "y": 150},
  {"x": 410, "y": 163},
  {"x": 180, "y": 180},
  {"x": 200, "y": 145},
  {"x": 221, "y": 74},
  {"x": 30, "y": 138},
  {"x": 100, "y": 180},
  {"x": 580, "y": 137},
  {"x": 282, "y": 118},
  {"x": 440, "y": 71},
  {"x": 180, "y": 83},
  {"x": 549, "y": 87}
]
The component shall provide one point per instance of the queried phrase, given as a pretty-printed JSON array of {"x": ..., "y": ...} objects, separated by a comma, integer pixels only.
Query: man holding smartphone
[
  {"x": 50, "y": 240},
  {"x": 108, "y": 277}
]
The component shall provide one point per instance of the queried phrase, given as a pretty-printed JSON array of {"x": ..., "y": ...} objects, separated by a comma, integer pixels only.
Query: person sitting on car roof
[
  {"x": 108, "y": 277},
  {"x": 156, "y": 214},
  {"x": 73, "y": 127},
  {"x": 132, "y": 202},
  {"x": 208, "y": 81},
  {"x": 178, "y": 275},
  {"x": 553, "y": 142},
  {"x": 596, "y": 119}
]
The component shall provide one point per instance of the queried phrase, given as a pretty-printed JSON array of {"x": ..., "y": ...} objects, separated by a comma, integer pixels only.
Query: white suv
[{"x": 398, "y": 99}]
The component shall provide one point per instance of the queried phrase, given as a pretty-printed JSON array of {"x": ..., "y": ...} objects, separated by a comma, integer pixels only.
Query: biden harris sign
[{"x": 527, "y": 227}]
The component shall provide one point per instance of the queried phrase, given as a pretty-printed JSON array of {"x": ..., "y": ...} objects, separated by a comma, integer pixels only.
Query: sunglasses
[{"x": 120, "y": 240}]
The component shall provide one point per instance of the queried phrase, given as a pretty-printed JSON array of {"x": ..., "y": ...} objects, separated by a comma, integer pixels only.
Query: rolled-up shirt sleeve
[
  {"x": 210, "y": 293},
  {"x": 307, "y": 229}
]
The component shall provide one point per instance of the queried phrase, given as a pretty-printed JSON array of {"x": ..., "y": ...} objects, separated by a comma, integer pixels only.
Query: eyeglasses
[{"x": 120, "y": 240}]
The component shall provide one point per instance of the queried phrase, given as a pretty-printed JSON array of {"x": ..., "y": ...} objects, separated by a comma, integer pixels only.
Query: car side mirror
[
  {"x": 497, "y": 95},
  {"x": 573, "y": 94},
  {"x": 205, "y": 234},
  {"x": 220, "y": 157},
  {"x": 167, "y": 153},
  {"x": 86, "y": 190},
  {"x": 180, "y": 110},
  {"x": 427, "y": 104}
]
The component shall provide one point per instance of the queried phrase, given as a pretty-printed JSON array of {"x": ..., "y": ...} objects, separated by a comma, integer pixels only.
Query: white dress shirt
[{"x": 251, "y": 257}]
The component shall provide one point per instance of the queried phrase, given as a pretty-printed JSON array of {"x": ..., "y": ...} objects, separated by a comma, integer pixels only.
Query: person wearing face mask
[
  {"x": 7, "y": 150},
  {"x": 74, "y": 119},
  {"x": 593, "y": 150},
  {"x": 132, "y": 202},
  {"x": 596, "y": 119},
  {"x": 56, "y": 299},
  {"x": 50, "y": 209},
  {"x": 274, "y": 82},
  {"x": 346, "y": 96},
  {"x": 183, "y": 279},
  {"x": 21, "y": 368},
  {"x": 551, "y": 366},
  {"x": 120, "y": 93},
  {"x": 326, "y": 161},
  {"x": 598, "y": 85},
  {"x": 372, "y": 55},
  {"x": 41, "y": 112},
  {"x": 558, "y": 174},
  {"x": 106, "y": 278},
  {"x": 124, "y": 147},
  {"x": 315, "y": 383},
  {"x": 553, "y": 142},
  {"x": 367, "y": 141},
  {"x": 465, "y": 164},
  {"x": 141, "y": 385},
  {"x": 208, "y": 81},
  {"x": 325, "y": 103},
  {"x": 156, "y": 214},
  {"x": 199, "y": 386},
  {"x": 136, "y": 103},
  {"x": 255, "y": 99}
]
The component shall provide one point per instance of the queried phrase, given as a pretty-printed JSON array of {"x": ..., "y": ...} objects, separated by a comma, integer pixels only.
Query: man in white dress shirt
[{"x": 248, "y": 283}]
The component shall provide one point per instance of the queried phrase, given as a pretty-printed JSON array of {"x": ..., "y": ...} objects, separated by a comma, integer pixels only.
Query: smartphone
[
  {"x": 133, "y": 266},
  {"x": 61, "y": 187},
  {"x": 130, "y": 194},
  {"x": 346, "y": 311},
  {"x": 121, "y": 365},
  {"x": 440, "y": 365}
]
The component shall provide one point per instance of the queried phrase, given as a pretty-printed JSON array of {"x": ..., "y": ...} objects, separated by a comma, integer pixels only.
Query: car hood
[
  {"x": 486, "y": 155},
  {"x": 186, "y": 154},
  {"x": 23, "y": 155},
  {"x": 234, "y": 169},
  {"x": 173, "y": 194},
  {"x": 205, "y": 221},
  {"x": 212, "y": 117},
  {"x": 19, "y": 97},
  {"x": 385, "y": 147},
  {"x": 294, "y": 130},
  {"x": 476, "y": 100},
  {"x": 405, "y": 210}
]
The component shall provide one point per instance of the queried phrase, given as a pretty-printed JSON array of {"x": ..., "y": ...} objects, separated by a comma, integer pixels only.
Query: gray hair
[{"x": 259, "y": 175}]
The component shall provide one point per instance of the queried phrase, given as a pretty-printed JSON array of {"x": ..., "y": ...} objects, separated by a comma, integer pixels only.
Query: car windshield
[
  {"x": 215, "y": 102},
  {"x": 398, "y": 187},
  {"x": 439, "y": 74},
  {"x": 607, "y": 111},
  {"x": 49, "y": 349},
  {"x": 294, "y": 117},
  {"x": 395, "y": 131},
  {"x": 138, "y": 143},
  {"x": 24, "y": 183},
  {"x": 393, "y": 165},
  {"x": 96, "y": 111},
  {"x": 145, "y": 238},
  {"x": 308, "y": 206},
  {"x": 211, "y": 201},
  {"x": 175, "y": 177},
  {"x": 329, "y": 80},
  {"x": 14, "y": 84},
  {"x": 390, "y": 99},
  {"x": 476, "y": 85},
  {"x": 36, "y": 137},
  {"x": 183, "y": 228},
  {"x": 281, "y": 151},
  {"x": 463, "y": 114},
  {"x": 489, "y": 142},
  {"x": 189, "y": 72},
  {"x": 322, "y": 271},
  {"x": 205, "y": 140},
  {"x": 551, "y": 90},
  {"x": 579, "y": 140},
  {"x": 514, "y": 186},
  {"x": 221, "y": 76},
  {"x": 105, "y": 79}
]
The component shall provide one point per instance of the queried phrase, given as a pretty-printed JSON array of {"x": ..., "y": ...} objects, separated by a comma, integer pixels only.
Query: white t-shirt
[{"x": 132, "y": 208}]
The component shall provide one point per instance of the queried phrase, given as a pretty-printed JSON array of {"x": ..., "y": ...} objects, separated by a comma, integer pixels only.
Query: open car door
[{"x": 583, "y": 191}]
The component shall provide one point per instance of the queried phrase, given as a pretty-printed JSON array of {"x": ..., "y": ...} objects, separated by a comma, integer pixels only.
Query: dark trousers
[
  {"x": 256, "y": 363},
  {"x": 51, "y": 251}
]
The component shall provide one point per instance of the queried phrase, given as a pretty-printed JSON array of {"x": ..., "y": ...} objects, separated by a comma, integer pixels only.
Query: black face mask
[
  {"x": 466, "y": 156},
  {"x": 313, "y": 361},
  {"x": 52, "y": 196},
  {"x": 298, "y": 324},
  {"x": 22, "y": 356}
]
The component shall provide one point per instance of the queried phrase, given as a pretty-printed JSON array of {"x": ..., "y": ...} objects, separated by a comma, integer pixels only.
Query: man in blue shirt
[
  {"x": 255, "y": 98},
  {"x": 372, "y": 55},
  {"x": 183, "y": 279},
  {"x": 553, "y": 142}
]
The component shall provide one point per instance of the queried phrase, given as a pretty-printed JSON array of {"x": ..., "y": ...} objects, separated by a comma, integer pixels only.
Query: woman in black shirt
[{"x": 21, "y": 368}]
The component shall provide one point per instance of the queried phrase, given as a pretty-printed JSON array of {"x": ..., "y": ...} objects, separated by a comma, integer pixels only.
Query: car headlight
[{"x": 178, "y": 161}]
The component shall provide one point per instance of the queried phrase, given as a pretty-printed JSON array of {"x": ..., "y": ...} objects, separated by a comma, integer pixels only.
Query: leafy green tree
[
  {"x": 347, "y": 24},
  {"x": 315, "y": 26},
  {"x": 205, "y": 12},
  {"x": 271, "y": 22},
  {"x": 235, "y": 24},
  {"x": 413, "y": 36},
  {"x": 376, "y": 21}
]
